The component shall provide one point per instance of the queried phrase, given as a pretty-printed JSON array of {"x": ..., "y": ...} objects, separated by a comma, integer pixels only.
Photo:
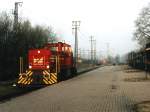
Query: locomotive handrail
[
  {"x": 21, "y": 65},
  {"x": 57, "y": 44}
]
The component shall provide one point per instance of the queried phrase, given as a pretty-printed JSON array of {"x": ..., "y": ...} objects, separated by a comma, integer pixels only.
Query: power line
[{"x": 83, "y": 35}]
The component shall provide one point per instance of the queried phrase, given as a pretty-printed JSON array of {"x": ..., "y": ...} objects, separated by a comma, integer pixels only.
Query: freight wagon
[{"x": 140, "y": 59}]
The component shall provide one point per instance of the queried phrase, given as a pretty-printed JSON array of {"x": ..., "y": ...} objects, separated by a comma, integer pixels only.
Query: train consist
[
  {"x": 49, "y": 65},
  {"x": 140, "y": 59}
]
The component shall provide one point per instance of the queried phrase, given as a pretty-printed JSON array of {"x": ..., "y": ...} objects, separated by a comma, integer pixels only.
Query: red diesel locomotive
[{"x": 49, "y": 65}]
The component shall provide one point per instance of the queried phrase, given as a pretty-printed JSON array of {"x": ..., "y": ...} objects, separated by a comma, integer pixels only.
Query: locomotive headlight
[
  {"x": 47, "y": 66},
  {"x": 30, "y": 66},
  {"x": 38, "y": 51}
]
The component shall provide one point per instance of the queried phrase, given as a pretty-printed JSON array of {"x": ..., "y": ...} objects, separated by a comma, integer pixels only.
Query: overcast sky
[{"x": 109, "y": 21}]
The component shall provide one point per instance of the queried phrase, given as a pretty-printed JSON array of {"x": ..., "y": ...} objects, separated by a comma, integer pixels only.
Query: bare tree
[
  {"x": 14, "y": 44},
  {"x": 142, "y": 24}
]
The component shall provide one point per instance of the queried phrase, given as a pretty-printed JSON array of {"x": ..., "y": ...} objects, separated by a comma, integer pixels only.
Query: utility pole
[
  {"x": 107, "y": 45},
  {"x": 83, "y": 54},
  {"x": 91, "y": 41},
  {"x": 16, "y": 13},
  {"x": 94, "y": 51},
  {"x": 88, "y": 53},
  {"x": 75, "y": 26},
  {"x": 79, "y": 53},
  {"x": 108, "y": 52}
]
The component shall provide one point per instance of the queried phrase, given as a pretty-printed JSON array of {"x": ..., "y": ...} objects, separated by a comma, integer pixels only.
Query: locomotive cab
[{"x": 39, "y": 59}]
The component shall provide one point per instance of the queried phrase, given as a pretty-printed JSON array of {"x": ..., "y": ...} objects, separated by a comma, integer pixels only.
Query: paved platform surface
[{"x": 101, "y": 90}]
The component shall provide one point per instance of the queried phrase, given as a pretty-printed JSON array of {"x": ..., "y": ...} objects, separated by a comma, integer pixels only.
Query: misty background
[{"x": 110, "y": 22}]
